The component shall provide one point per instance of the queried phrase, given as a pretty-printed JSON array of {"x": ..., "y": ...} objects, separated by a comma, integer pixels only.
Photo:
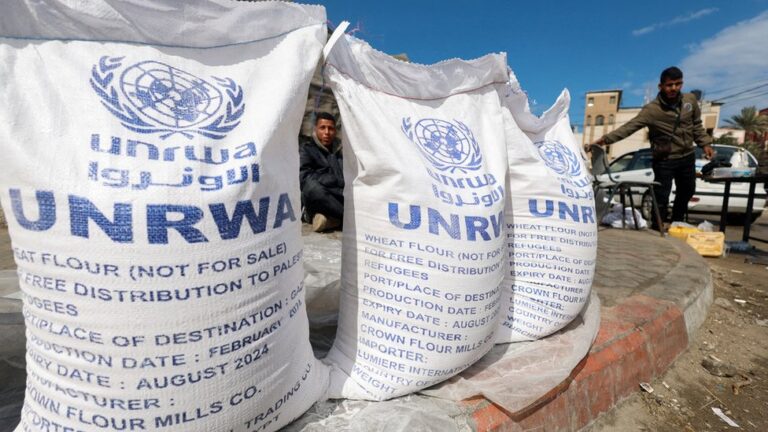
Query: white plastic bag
[
  {"x": 614, "y": 218},
  {"x": 154, "y": 223},
  {"x": 740, "y": 160},
  {"x": 550, "y": 219},
  {"x": 423, "y": 254}
]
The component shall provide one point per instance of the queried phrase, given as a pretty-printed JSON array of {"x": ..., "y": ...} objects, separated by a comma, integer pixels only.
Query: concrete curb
[
  {"x": 639, "y": 339},
  {"x": 688, "y": 285}
]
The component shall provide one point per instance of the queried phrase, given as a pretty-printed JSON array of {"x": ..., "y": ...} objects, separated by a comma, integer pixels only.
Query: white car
[{"x": 708, "y": 199}]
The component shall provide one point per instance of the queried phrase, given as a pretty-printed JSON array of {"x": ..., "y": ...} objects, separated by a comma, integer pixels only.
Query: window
[
  {"x": 622, "y": 163},
  {"x": 590, "y": 101},
  {"x": 610, "y": 119},
  {"x": 599, "y": 120},
  {"x": 589, "y": 120},
  {"x": 612, "y": 100},
  {"x": 644, "y": 160}
]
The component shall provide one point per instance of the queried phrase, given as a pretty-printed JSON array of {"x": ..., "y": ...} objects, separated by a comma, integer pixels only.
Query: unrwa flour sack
[
  {"x": 150, "y": 183},
  {"x": 423, "y": 246},
  {"x": 550, "y": 219}
]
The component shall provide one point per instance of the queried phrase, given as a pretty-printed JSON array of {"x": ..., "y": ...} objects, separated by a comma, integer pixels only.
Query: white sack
[
  {"x": 423, "y": 255},
  {"x": 550, "y": 218},
  {"x": 152, "y": 198}
]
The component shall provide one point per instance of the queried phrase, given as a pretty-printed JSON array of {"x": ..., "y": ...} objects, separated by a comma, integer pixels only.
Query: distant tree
[
  {"x": 750, "y": 120},
  {"x": 727, "y": 139},
  {"x": 756, "y": 149}
]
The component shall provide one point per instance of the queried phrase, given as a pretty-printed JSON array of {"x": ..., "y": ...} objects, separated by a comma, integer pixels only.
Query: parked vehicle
[{"x": 708, "y": 199}]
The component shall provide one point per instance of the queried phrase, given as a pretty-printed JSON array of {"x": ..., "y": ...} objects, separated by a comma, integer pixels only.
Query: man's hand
[
  {"x": 709, "y": 153},
  {"x": 600, "y": 141}
]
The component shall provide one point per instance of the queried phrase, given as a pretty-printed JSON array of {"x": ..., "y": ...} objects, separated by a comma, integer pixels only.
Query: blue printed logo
[
  {"x": 153, "y": 97},
  {"x": 447, "y": 146},
  {"x": 559, "y": 158}
]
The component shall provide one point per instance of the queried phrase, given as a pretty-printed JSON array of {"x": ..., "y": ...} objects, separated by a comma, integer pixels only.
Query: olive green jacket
[{"x": 659, "y": 118}]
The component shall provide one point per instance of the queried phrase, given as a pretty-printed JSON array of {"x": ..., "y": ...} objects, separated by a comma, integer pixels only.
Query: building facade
[{"x": 603, "y": 113}]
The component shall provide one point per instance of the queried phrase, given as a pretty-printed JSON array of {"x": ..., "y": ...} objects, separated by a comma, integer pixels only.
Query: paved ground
[
  {"x": 734, "y": 332},
  {"x": 653, "y": 292},
  {"x": 6, "y": 258},
  {"x": 630, "y": 262}
]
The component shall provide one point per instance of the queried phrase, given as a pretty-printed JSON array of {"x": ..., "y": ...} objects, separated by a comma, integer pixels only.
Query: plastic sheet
[
  {"x": 407, "y": 413},
  {"x": 322, "y": 269},
  {"x": 513, "y": 376},
  {"x": 322, "y": 287}
]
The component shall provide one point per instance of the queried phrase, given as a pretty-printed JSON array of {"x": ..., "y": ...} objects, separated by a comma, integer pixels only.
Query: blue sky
[{"x": 722, "y": 46}]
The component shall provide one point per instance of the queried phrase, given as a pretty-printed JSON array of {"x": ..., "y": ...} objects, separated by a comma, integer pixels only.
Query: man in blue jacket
[{"x": 321, "y": 175}]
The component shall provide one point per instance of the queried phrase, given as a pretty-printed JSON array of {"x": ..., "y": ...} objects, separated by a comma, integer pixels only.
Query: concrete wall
[{"x": 320, "y": 99}]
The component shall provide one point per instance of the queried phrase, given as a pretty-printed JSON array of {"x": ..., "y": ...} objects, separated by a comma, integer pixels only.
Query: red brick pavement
[{"x": 639, "y": 339}]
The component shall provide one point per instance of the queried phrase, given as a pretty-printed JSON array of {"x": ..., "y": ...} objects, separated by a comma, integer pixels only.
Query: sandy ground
[{"x": 736, "y": 333}]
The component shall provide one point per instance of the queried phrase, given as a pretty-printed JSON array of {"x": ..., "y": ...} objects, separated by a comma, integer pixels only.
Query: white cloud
[
  {"x": 640, "y": 91},
  {"x": 674, "y": 21},
  {"x": 735, "y": 58},
  {"x": 647, "y": 90}
]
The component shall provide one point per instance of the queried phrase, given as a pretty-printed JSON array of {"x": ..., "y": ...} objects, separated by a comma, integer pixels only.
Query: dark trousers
[
  {"x": 683, "y": 172},
  {"x": 321, "y": 199}
]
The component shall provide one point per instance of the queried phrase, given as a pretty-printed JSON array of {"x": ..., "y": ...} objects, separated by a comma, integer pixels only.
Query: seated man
[{"x": 321, "y": 176}]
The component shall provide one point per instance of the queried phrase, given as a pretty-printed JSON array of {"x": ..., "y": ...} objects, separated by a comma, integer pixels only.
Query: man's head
[
  {"x": 671, "y": 83},
  {"x": 325, "y": 128}
]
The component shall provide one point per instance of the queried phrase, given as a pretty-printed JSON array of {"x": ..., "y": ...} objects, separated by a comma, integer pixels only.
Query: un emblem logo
[
  {"x": 559, "y": 158},
  {"x": 447, "y": 146},
  {"x": 153, "y": 97}
]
